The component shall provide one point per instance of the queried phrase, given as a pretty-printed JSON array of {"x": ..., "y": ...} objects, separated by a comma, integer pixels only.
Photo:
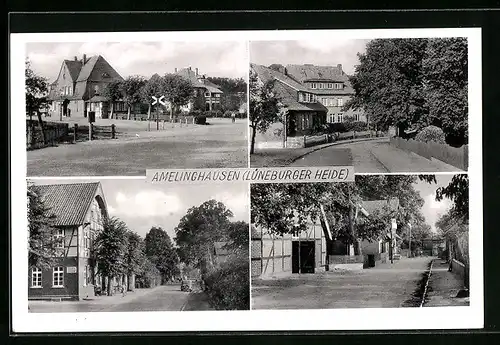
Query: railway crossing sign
[{"x": 158, "y": 100}]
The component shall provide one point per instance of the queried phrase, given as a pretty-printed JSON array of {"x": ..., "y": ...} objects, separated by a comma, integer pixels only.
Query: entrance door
[{"x": 303, "y": 256}]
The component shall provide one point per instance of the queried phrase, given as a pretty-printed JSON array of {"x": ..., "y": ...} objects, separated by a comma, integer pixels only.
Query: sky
[
  {"x": 317, "y": 52},
  {"x": 215, "y": 59},
  {"x": 433, "y": 209},
  {"x": 142, "y": 205}
]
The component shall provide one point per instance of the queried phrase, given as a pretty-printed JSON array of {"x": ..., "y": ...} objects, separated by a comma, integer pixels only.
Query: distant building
[
  {"x": 79, "y": 209},
  {"x": 78, "y": 88},
  {"x": 207, "y": 92}
]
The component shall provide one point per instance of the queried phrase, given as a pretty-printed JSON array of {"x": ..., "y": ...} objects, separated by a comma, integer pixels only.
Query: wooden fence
[
  {"x": 81, "y": 133},
  {"x": 54, "y": 134},
  {"x": 458, "y": 157}
]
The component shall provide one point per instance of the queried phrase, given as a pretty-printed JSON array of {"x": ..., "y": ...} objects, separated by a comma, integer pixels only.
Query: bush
[
  {"x": 431, "y": 134},
  {"x": 227, "y": 286},
  {"x": 358, "y": 126},
  {"x": 337, "y": 127},
  {"x": 200, "y": 119}
]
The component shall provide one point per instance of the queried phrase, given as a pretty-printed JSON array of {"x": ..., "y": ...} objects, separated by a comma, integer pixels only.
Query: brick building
[
  {"x": 78, "y": 88},
  {"x": 79, "y": 209}
]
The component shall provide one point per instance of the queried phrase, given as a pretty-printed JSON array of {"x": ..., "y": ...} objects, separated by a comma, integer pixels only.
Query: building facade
[
  {"x": 206, "y": 93},
  {"x": 78, "y": 88},
  {"x": 79, "y": 210}
]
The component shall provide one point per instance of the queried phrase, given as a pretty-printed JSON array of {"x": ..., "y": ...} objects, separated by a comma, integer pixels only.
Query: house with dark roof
[
  {"x": 78, "y": 210},
  {"x": 208, "y": 92},
  {"x": 79, "y": 85},
  {"x": 304, "y": 113}
]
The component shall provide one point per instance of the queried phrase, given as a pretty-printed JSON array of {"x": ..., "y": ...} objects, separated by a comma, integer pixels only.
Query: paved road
[
  {"x": 384, "y": 286},
  {"x": 161, "y": 298},
  {"x": 372, "y": 156},
  {"x": 221, "y": 144}
]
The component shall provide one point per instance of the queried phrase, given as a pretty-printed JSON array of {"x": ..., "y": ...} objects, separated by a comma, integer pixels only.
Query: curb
[
  {"x": 334, "y": 144},
  {"x": 426, "y": 285}
]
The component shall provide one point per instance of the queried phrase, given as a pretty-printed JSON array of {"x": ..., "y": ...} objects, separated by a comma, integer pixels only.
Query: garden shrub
[
  {"x": 200, "y": 120},
  {"x": 431, "y": 134},
  {"x": 227, "y": 286},
  {"x": 358, "y": 126},
  {"x": 336, "y": 127}
]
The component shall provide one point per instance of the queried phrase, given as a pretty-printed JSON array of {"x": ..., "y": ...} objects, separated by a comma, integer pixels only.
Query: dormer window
[
  {"x": 306, "y": 97},
  {"x": 339, "y": 86},
  {"x": 314, "y": 86}
]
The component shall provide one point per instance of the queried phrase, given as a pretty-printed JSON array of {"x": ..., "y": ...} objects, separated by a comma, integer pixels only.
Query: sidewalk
[
  {"x": 285, "y": 156},
  {"x": 94, "y": 304},
  {"x": 444, "y": 286},
  {"x": 396, "y": 160}
]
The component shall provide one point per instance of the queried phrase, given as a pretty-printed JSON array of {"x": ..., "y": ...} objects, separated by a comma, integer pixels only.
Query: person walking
[{"x": 233, "y": 117}]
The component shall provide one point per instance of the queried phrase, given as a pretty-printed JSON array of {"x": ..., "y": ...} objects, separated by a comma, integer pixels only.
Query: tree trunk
[
  {"x": 128, "y": 112},
  {"x": 352, "y": 229},
  {"x": 108, "y": 285},
  {"x": 112, "y": 109},
  {"x": 252, "y": 142},
  {"x": 40, "y": 122},
  {"x": 171, "y": 111},
  {"x": 131, "y": 282}
]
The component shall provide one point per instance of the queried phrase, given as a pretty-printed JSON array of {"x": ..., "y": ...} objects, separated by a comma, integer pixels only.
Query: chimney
[
  {"x": 76, "y": 58},
  {"x": 196, "y": 69},
  {"x": 175, "y": 70},
  {"x": 189, "y": 68},
  {"x": 84, "y": 59},
  {"x": 339, "y": 66}
]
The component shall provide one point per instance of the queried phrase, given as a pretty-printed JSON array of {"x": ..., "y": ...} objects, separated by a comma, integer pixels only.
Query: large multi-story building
[
  {"x": 207, "y": 92},
  {"x": 78, "y": 88},
  {"x": 79, "y": 210}
]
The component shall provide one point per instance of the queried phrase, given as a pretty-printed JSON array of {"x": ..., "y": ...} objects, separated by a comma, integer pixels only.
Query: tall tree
[
  {"x": 445, "y": 68},
  {"x": 229, "y": 85},
  {"x": 131, "y": 91},
  {"x": 36, "y": 95},
  {"x": 388, "y": 82},
  {"x": 113, "y": 92},
  {"x": 153, "y": 88},
  {"x": 110, "y": 248},
  {"x": 178, "y": 91},
  {"x": 265, "y": 108},
  {"x": 41, "y": 231},
  {"x": 160, "y": 251},
  {"x": 199, "y": 229},
  {"x": 458, "y": 192},
  {"x": 134, "y": 257}
]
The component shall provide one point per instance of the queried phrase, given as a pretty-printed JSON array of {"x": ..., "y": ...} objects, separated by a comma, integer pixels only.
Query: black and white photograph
[
  {"x": 125, "y": 246},
  {"x": 384, "y": 241},
  {"x": 381, "y": 105},
  {"x": 118, "y": 108}
]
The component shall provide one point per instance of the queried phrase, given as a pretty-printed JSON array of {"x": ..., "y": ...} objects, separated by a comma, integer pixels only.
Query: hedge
[{"x": 227, "y": 286}]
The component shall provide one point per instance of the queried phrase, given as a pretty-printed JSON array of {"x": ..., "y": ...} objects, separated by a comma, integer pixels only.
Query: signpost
[
  {"x": 394, "y": 226},
  {"x": 157, "y": 100}
]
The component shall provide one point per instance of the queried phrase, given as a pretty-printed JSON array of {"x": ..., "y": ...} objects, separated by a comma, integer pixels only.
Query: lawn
[{"x": 220, "y": 144}]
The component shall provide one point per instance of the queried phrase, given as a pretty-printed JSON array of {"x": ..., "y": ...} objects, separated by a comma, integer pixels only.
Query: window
[
  {"x": 313, "y": 85},
  {"x": 340, "y": 117},
  {"x": 207, "y": 94},
  {"x": 330, "y": 85},
  {"x": 339, "y": 86},
  {"x": 320, "y": 86},
  {"x": 331, "y": 118},
  {"x": 356, "y": 117},
  {"x": 70, "y": 90},
  {"x": 59, "y": 238},
  {"x": 86, "y": 244},
  {"x": 58, "y": 277},
  {"x": 105, "y": 75},
  {"x": 85, "y": 276},
  {"x": 324, "y": 101},
  {"x": 36, "y": 277},
  {"x": 340, "y": 102},
  {"x": 217, "y": 95}
]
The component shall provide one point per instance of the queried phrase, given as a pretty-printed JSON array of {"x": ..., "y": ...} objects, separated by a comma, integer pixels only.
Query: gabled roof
[
  {"x": 74, "y": 68},
  {"x": 68, "y": 202},
  {"x": 309, "y": 72},
  {"x": 98, "y": 98},
  {"x": 286, "y": 89},
  {"x": 190, "y": 75}
]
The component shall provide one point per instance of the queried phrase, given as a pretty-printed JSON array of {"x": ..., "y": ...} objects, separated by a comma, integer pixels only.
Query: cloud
[
  {"x": 437, "y": 205},
  {"x": 147, "y": 203}
]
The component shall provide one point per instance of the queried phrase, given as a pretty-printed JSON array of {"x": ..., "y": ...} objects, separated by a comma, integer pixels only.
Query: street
[
  {"x": 371, "y": 156},
  {"x": 384, "y": 286},
  {"x": 161, "y": 298},
  {"x": 218, "y": 145}
]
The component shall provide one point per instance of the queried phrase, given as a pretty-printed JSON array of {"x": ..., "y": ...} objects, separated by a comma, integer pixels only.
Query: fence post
[
  {"x": 91, "y": 131},
  {"x": 113, "y": 131},
  {"x": 75, "y": 133}
]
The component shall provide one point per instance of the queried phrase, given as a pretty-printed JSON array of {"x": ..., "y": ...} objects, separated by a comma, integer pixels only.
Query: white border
[{"x": 305, "y": 320}]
